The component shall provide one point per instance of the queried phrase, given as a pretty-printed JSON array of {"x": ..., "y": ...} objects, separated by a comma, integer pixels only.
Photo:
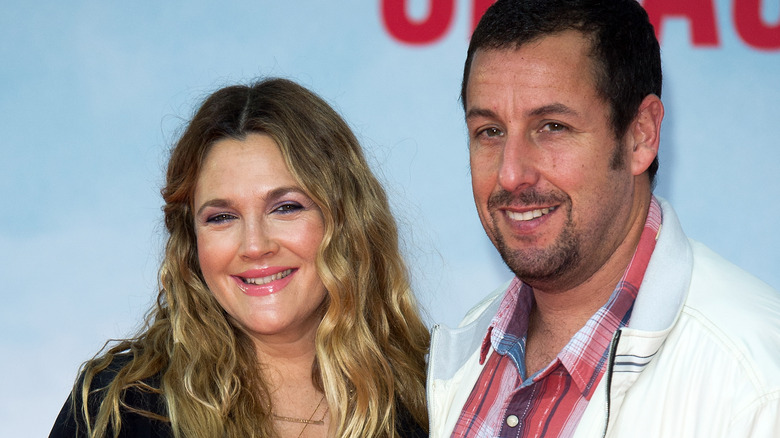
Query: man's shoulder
[
  {"x": 720, "y": 288},
  {"x": 451, "y": 348},
  {"x": 736, "y": 313},
  {"x": 485, "y": 308}
]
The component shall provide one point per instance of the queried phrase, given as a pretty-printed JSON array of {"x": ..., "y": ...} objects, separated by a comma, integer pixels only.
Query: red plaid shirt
[{"x": 506, "y": 403}]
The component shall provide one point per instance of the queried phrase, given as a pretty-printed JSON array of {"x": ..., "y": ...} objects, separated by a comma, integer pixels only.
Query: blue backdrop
[{"x": 94, "y": 92}]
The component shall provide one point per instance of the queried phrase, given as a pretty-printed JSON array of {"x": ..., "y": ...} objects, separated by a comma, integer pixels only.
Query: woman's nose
[{"x": 258, "y": 241}]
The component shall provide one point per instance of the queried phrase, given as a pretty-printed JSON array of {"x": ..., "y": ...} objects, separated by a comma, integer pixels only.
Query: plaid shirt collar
[{"x": 585, "y": 354}]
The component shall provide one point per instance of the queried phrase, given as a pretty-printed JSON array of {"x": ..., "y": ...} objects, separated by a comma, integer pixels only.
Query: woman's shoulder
[
  {"x": 106, "y": 375},
  {"x": 406, "y": 426},
  {"x": 142, "y": 408}
]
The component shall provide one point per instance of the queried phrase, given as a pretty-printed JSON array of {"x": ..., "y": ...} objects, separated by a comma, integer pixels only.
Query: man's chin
[{"x": 539, "y": 266}]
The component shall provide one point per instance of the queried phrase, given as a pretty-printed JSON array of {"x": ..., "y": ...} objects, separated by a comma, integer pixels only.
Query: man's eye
[
  {"x": 492, "y": 132},
  {"x": 553, "y": 127}
]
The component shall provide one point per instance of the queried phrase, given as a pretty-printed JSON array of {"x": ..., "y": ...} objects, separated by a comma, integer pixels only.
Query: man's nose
[{"x": 518, "y": 168}]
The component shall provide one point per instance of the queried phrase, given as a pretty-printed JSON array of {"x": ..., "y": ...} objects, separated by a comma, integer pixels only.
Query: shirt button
[{"x": 512, "y": 421}]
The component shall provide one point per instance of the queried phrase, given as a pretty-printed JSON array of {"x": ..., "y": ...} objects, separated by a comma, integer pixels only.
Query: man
[{"x": 616, "y": 324}]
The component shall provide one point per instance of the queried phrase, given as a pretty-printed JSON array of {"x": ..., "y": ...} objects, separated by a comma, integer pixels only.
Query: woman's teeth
[{"x": 264, "y": 280}]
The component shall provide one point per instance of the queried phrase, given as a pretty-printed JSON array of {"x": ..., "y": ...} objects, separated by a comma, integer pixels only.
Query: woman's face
[{"x": 257, "y": 234}]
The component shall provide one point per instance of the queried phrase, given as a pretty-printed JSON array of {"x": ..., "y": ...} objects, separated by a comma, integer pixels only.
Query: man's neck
[{"x": 558, "y": 313}]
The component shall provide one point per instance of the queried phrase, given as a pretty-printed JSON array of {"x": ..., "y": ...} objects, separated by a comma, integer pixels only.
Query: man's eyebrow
[
  {"x": 554, "y": 108},
  {"x": 480, "y": 112}
]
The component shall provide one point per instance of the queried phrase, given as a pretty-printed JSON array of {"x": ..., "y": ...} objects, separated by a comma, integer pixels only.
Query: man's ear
[{"x": 646, "y": 133}]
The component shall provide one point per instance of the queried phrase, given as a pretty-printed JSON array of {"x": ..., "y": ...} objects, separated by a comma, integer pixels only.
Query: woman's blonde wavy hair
[{"x": 371, "y": 343}]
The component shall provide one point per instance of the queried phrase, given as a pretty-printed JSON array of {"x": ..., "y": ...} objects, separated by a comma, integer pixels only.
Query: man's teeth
[
  {"x": 264, "y": 280},
  {"x": 528, "y": 215}
]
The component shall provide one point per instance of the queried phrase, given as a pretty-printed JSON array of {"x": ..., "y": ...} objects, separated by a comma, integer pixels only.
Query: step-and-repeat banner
[{"x": 94, "y": 92}]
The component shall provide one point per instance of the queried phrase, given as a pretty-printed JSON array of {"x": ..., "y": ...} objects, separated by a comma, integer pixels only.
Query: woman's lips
[{"x": 261, "y": 282}]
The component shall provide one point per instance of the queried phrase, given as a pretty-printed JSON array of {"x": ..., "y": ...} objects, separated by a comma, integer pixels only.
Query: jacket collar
[{"x": 658, "y": 305}]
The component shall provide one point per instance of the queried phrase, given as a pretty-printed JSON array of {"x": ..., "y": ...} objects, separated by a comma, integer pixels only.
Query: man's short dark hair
[{"x": 625, "y": 50}]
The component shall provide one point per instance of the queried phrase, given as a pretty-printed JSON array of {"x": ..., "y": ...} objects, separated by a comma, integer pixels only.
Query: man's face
[{"x": 551, "y": 183}]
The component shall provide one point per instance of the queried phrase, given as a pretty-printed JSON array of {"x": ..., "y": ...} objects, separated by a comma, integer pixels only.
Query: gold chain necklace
[{"x": 304, "y": 421}]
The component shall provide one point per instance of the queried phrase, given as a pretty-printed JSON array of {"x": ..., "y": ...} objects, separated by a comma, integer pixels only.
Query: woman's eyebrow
[
  {"x": 273, "y": 194},
  {"x": 216, "y": 202}
]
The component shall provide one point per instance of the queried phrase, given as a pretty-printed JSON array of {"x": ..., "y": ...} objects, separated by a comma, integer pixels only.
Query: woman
[{"x": 284, "y": 308}]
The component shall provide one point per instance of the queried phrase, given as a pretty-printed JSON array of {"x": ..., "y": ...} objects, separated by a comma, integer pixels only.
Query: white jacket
[{"x": 700, "y": 357}]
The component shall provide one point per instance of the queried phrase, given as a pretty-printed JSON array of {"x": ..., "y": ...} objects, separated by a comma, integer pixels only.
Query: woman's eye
[
  {"x": 219, "y": 218},
  {"x": 288, "y": 207}
]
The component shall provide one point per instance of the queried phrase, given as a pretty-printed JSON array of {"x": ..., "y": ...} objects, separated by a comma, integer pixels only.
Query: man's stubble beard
[
  {"x": 541, "y": 265},
  {"x": 545, "y": 266}
]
